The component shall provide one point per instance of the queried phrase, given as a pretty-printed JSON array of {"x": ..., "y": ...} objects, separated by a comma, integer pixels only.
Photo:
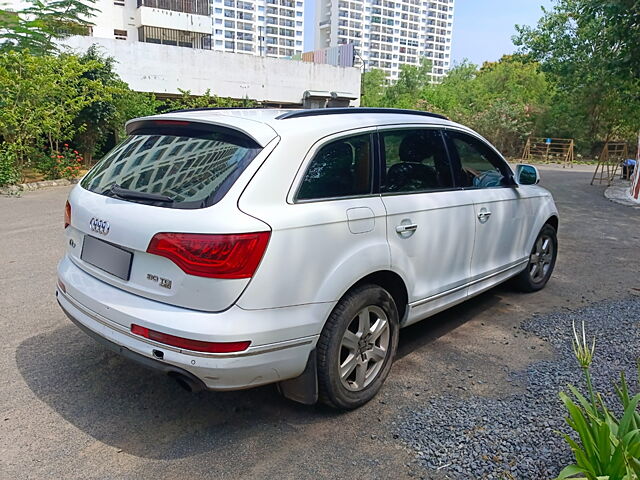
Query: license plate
[{"x": 107, "y": 257}]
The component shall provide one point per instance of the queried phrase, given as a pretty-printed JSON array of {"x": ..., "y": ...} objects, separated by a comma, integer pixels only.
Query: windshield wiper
[{"x": 118, "y": 191}]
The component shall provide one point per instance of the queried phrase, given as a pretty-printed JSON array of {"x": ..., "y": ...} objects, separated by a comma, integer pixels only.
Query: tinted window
[
  {"x": 415, "y": 161},
  {"x": 481, "y": 166},
  {"x": 194, "y": 171},
  {"x": 342, "y": 168}
]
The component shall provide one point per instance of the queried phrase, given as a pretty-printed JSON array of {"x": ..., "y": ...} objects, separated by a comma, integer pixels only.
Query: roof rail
[{"x": 352, "y": 110}]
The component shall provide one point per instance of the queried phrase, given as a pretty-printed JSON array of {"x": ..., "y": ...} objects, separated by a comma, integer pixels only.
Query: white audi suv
[{"x": 231, "y": 248}]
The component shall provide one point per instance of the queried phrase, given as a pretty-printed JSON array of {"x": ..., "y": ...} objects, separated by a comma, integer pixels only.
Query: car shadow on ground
[{"x": 149, "y": 415}]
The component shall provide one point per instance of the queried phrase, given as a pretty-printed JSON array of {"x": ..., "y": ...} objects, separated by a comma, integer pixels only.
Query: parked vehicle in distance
[{"x": 231, "y": 248}]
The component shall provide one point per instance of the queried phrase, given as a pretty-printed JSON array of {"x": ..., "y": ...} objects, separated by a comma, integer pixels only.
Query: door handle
[
  {"x": 484, "y": 215},
  {"x": 407, "y": 228}
]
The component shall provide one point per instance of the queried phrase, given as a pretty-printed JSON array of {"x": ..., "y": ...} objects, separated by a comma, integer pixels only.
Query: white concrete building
[
  {"x": 166, "y": 69},
  {"x": 389, "y": 33},
  {"x": 271, "y": 28}
]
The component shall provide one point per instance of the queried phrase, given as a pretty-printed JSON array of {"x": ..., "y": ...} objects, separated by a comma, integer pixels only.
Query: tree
[
  {"x": 187, "y": 100},
  {"x": 131, "y": 104},
  {"x": 373, "y": 88},
  {"x": 37, "y": 27},
  {"x": 503, "y": 100},
  {"x": 404, "y": 93},
  {"x": 590, "y": 50},
  {"x": 412, "y": 80}
]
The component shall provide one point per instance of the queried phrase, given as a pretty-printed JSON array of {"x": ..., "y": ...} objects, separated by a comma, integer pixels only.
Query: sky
[{"x": 482, "y": 29}]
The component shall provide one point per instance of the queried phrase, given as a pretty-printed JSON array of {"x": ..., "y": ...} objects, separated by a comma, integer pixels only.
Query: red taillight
[
  {"x": 188, "y": 344},
  {"x": 67, "y": 214},
  {"x": 213, "y": 256}
]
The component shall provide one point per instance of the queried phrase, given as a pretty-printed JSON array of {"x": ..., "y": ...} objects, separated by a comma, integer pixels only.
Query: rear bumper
[
  {"x": 276, "y": 353},
  {"x": 136, "y": 357}
]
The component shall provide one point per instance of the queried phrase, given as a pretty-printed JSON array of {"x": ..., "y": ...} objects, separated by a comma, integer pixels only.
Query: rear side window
[
  {"x": 416, "y": 160},
  {"x": 342, "y": 168},
  {"x": 189, "y": 168}
]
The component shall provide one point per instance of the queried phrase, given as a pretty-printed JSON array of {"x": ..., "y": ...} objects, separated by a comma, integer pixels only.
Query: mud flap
[{"x": 303, "y": 389}]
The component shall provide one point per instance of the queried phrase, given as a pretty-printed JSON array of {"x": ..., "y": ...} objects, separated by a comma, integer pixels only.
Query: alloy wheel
[
  {"x": 364, "y": 348},
  {"x": 541, "y": 258}
]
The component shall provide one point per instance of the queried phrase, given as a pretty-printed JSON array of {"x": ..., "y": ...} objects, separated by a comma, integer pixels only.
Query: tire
[
  {"x": 542, "y": 260},
  {"x": 361, "y": 338}
]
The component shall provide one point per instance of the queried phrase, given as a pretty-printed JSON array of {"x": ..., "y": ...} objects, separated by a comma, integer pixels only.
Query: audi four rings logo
[{"x": 99, "y": 226}]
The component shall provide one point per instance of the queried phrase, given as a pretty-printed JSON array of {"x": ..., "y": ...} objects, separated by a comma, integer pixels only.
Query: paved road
[{"x": 69, "y": 409}]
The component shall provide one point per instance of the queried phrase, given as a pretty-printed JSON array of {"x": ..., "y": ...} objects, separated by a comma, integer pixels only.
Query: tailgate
[{"x": 108, "y": 238}]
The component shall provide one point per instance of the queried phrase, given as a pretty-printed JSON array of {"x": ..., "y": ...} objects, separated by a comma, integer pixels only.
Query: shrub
[
  {"x": 8, "y": 166},
  {"x": 66, "y": 163}
]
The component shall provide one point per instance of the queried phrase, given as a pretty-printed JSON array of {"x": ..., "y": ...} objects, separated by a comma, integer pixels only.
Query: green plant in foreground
[{"x": 608, "y": 448}]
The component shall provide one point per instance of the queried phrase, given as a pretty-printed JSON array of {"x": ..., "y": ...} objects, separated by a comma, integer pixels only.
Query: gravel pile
[{"x": 516, "y": 437}]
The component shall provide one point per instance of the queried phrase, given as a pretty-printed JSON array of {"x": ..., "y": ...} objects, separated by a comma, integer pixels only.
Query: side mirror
[{"x": 527, "y": 175}]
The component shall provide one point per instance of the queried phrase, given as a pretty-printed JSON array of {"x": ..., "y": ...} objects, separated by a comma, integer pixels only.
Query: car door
[
  {"x": 501, "y": 215},
  {"x": 430, "y": 226}
]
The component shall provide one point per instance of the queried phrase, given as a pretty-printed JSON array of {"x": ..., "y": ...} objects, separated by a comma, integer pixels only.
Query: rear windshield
[{"x": 188, "y": 168}]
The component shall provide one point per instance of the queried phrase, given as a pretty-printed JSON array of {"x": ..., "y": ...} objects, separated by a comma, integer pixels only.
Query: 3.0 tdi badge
[{"x": 163, "y": 282}]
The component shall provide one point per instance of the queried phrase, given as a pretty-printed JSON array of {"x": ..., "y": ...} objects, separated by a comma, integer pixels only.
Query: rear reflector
[
  {"x": 212, "y": 256},
  {"x": 67, "y": 214},
  {"x": 188, "y": 344}
]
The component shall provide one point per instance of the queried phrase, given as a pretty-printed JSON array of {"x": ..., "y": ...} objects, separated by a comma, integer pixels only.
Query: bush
[
  {"x": 9, "y": 173},
  {"x": 64, "y": 164}
]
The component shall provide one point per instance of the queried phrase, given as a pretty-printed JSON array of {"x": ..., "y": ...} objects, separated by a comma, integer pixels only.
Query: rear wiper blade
[{"x": 118, "y": 191}]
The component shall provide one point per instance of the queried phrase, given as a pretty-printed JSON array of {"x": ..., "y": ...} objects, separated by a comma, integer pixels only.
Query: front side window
[
  {"x": 342, "y": 168},
  {"x": 480, "y": 166},
  {"x": 415, "y": 161}
]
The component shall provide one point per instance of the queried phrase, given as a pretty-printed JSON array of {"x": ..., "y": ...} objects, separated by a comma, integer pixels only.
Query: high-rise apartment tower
[{"x": 389, "y": 33}]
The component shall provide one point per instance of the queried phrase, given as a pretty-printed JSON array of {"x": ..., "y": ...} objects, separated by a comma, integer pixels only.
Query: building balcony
[
  {"x": 178, "y": 38},
  {"x": 196, "y": 7},
  {"x": 147, "y": 16}
]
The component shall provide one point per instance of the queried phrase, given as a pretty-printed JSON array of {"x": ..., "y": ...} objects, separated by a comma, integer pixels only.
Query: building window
[{"x": 120, "y": 34}]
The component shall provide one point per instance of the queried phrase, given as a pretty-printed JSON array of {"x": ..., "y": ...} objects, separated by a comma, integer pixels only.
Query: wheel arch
[{"x": 393, "y": 283}]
